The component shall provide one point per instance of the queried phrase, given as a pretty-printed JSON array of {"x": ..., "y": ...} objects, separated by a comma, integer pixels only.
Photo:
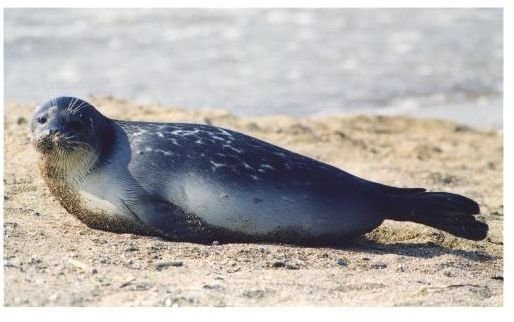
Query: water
[{"x": 429, "y": 62}]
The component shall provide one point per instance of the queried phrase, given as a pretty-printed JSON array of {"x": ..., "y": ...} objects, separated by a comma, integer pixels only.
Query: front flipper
[{"x": 170, "y": 221}]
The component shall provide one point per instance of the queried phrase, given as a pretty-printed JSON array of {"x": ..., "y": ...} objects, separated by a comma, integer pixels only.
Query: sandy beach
[{"x": 52, "y": 259}]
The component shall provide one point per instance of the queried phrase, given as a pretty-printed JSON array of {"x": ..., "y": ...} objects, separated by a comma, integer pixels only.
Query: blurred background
[{"x": 443, "y": 63}]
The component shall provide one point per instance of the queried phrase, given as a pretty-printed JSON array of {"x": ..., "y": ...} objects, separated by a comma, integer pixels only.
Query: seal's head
[{"x": 67, "y": 131}]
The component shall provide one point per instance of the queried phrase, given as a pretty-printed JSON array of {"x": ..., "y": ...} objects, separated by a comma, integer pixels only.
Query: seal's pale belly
[
  {"x": 99, "y": 196},
  {"x": 255, "y": 210}
]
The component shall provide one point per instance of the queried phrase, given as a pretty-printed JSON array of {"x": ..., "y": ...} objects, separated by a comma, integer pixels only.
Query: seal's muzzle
[
  {"x": 45, "y": 144},
  {"x": 52, "y": 140}
]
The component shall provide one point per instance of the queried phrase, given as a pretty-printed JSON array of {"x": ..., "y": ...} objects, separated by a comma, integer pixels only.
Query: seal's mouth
[{"x": 44, "y": 145}]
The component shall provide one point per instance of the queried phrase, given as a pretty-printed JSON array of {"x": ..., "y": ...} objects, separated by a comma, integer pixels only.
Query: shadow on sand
[{"x": 421, "y": 250}]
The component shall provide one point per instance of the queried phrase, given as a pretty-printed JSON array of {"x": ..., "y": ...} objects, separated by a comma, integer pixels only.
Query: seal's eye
[
  {"x": 76, "y": 125},
  {"x": 41, "y": 120}
]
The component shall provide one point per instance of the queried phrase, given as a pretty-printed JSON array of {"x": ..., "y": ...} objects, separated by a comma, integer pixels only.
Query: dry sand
[{"x": 52, "y": 259}]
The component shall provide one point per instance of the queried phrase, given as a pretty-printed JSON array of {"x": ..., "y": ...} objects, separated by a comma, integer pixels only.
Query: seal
[{"x": 201, "y": 183}]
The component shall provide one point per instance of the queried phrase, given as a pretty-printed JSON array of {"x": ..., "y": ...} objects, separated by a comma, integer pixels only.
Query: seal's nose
[{"x": 54, "y": 128}]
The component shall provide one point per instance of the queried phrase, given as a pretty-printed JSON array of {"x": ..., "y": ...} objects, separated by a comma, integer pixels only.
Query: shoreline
[
  {"x": 52, "y": 259},
  {"x": 480, "y": 113}
]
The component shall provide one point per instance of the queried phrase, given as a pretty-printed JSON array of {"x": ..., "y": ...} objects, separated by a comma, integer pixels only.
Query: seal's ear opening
[{"x": 449, "y": 212}]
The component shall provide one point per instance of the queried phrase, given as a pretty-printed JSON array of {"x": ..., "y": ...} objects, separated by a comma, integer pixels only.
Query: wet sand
[{"x": 52, "y": 259}]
